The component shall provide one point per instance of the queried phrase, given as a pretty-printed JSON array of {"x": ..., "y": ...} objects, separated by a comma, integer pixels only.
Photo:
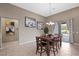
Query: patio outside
[{"x": 65, "y": 33}]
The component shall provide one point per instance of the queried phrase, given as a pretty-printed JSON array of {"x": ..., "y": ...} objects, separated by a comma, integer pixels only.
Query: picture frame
[
  {"x": 40, "y": 25},
  {"x": 30, "y": 22}
]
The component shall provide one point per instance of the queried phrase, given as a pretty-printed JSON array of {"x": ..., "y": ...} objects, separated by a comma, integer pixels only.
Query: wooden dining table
[{"x": 48, "y": 40}]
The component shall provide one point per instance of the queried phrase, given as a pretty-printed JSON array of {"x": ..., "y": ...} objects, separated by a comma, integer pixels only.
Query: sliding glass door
[{"x": 65, "y": 32}]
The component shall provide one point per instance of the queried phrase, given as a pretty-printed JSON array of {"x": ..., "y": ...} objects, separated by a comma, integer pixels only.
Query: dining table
[{"x": 48, "y": 40}]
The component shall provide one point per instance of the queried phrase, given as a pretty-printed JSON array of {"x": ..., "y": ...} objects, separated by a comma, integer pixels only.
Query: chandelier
[{"x": 50, "y": 22}]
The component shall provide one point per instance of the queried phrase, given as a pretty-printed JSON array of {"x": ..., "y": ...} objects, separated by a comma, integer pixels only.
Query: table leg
[{"x": 60, "y": 42}]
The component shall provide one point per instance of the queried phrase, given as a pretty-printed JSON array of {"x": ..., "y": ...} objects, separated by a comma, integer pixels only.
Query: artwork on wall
[
  {"x": 30, "y": 22},
  {"x": 9, "y": 26},
  {"x": 40, "y": 25}
]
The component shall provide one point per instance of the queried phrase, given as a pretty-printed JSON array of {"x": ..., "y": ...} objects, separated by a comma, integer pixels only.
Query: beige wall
[
  {"x": 25, "y": 34},
  {"x": 70, "y": 14}
]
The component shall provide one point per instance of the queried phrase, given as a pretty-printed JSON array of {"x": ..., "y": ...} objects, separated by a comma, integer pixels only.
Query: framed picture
[
  {"x": 30, "y": 22},
  {"x": 40, "y": 25}
]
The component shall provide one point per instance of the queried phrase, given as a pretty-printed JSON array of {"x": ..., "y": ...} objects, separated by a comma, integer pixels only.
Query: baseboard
[
  {"x": 76, "y": 43},
  {"x": 26, "y": 42}
]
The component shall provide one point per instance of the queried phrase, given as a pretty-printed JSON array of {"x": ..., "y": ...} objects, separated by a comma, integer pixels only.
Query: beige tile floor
[{"x": 14, "y": 49}]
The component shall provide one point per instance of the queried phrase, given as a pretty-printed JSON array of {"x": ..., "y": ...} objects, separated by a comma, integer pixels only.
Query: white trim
[
  {"x": 26, "y": 42},
  {"x": 76, "y": 44}
]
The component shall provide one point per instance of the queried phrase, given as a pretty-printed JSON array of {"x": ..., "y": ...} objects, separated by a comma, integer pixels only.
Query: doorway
[
  {"x": 65, "y": 33},
  {"x": 10, "y": 32}
]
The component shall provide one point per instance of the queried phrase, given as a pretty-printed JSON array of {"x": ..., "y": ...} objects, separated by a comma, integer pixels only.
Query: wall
[
  {"x": 25, "y": 34},
  {"x": 66, "y": 15}
]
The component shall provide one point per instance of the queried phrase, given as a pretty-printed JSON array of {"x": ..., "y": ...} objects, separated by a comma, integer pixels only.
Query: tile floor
[{"x": 14, "y": 49}]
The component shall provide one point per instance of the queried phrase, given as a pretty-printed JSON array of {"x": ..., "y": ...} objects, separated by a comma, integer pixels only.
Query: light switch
[{"x": 76, "y": 32}]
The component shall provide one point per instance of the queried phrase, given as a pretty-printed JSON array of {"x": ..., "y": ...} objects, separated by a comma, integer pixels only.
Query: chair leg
[
  {"x": 37, "y": 49},
  {"x": 53, "y": 50},
  {"x": 41, "y": 52},
  {"x": 57, "y": 47},
  {"x": 47, "y": 51}
]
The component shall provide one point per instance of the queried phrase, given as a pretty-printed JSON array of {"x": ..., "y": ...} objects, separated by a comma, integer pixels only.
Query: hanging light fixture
[{"x": 50, "y": 23}]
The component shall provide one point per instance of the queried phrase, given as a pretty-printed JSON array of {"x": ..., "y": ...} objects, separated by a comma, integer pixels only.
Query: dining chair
[
  {"x": 41, "y": 46},
  {"x": 52, "y": 44},
  {"x": 57, "y": 39}
]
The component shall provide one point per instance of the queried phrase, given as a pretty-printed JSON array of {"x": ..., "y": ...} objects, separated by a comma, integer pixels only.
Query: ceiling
[{"x": 46, "y": 9}]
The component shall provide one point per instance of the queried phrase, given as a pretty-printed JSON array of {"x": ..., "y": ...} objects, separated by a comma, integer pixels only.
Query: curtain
[
  {"x": 53, "y": 26},
  {"x": 0, "y": 33},
  {"x": 69, "y": 23},
  {"x": 56, "y": 28}
]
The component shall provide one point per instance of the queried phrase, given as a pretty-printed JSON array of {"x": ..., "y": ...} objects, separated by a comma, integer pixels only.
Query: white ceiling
[{"x": 44, "y": 8}]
